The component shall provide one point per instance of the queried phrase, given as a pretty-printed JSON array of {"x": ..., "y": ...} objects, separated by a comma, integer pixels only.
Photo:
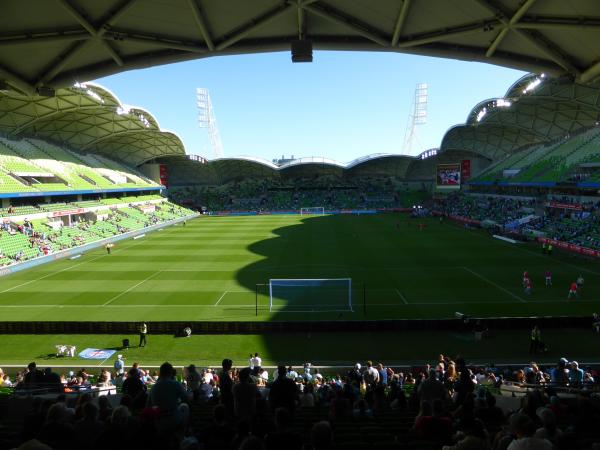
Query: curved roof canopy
[
  {"x": 535, "y": 109},
  {"x": 223, "y": 170},
  {"x": 88, "y": 118},
  {"x": 57, "y": 42}
]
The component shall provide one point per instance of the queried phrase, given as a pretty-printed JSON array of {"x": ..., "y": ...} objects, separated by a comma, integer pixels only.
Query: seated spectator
[
  {"x": 362, "y": 410},
  {"x": 474, "y": 437},
  {"x": 523, "y": 429},
  {"x": 218, "y": 434},
  {"x": 321, "y": 436},
  {"x": 57, "y": 431},
  {"x": 549, "y": 429},
  {"x": 283, "y": 437},
  {"x": 88, "y": 428}
]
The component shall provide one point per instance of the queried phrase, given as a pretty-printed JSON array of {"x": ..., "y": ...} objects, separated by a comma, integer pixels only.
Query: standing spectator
[
  {"x": 383, "y": 374},
  {"x": 119, "y": 365},
  {"x": 244, "y": 396},
  {"x": 283, "y": 391},
  {"x": 371, "y": 374},
  {"x": 143, "y": 333},
  {"x": 226, "y": 385},
  {"x": 193, "y": 380},
  {"x": 431, "y": 388},
  {"x": 170, "y": 398},
  {"x": 135, "y": 387},
  {"x": 535, "y": 341}
]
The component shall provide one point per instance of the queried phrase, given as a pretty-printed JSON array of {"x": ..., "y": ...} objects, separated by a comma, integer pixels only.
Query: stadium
[{"x": 445, "y": 299}]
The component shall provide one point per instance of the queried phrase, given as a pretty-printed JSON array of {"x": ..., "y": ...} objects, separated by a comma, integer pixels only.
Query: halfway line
[{"x": 132, "y": 287}]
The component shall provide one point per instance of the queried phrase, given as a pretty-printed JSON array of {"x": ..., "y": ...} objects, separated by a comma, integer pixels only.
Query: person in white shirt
[
  {"x": 371, "y": 374},
  {"x": 256, "y": 361},
  {"x": 264, "y": 375}
]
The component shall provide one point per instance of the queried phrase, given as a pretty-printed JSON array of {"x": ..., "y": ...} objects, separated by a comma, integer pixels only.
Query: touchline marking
[
  {"x": 487, "y": 280},
  {"x": 221, "y": 298},
  {"x": 68, "y": 268},
  {"x": 390, "y": 305},
  {"x": 564, "y": 263},
  {"x": 132, "y": 287},
  {"x": 402, "y": 296}
]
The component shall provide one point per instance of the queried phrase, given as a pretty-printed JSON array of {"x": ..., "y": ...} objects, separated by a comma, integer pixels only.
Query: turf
[
  {"x": 392, "y": 348},
  {"x": 209, "y": 269}
]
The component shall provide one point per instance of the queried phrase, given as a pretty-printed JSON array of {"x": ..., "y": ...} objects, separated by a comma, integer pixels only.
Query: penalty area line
[
  {"x": 221, "y": 298},
  {"x": 401, "y": 296},
  {"x": 487, "y": 280}
]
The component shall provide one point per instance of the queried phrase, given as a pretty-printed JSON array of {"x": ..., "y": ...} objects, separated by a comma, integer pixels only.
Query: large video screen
[{"x": 448, "y": 175}]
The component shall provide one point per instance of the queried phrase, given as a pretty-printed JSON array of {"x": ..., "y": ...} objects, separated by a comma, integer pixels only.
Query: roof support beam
[
  {"x": 444, "y": 33},
  {"x": 201, "y": 23},
  {"x": 400, "y": 21},
  {"x": 156, "y": 41},
  {"x": 550, "y": 49},
  {"x": 254, "y": 25},
  {"x": 513, "y": 20},
  {"x": 559, "y": 23},
  {"x": 349, "y": 22},
  {"x": 46, "y": 38},
  {"x": 16, "y": 81},
  {"x": 91, "y": 30},
  {"x": 591, "y": 73},
  {"x": 95, "y": 34}
]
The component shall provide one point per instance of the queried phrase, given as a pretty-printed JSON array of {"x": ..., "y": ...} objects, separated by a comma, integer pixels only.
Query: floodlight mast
[
  {"x": 418, "y": 116},
  {"x": 206, "y": 119}
]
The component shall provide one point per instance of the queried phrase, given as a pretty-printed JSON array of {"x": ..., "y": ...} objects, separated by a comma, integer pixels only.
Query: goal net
[
  {"x": 324, "y": 294},
  {"x": 313, "y": 210}
]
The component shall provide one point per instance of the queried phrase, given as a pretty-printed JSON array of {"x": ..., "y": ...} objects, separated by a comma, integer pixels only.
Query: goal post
[
  {"x": 313, "y": 210},
  {"x": 310, "y": 294}
]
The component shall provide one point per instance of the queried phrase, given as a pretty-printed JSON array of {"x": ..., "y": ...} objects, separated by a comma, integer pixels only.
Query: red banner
[
  {"x": 465, "y": 169},
  {"x": 571, "y": 247},
  {"x": 460, "y": 219},
  {"x": 68, "y": 213},
  {"x": 162, "y": 171},
  {"x": 572, "y": 206}
]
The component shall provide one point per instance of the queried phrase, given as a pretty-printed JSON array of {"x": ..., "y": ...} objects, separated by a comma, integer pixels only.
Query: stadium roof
[
  {"x": 535, "y": 109},
  {"x": 56, "y": 43},
  {"x": 88, "y": 118},
  {"x": 223, "y": 170}
]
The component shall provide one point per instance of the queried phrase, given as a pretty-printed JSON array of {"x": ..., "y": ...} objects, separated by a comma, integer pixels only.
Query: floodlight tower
[
  {"x": 417, "y": 116},
  {"x": 206, "y": 119}
]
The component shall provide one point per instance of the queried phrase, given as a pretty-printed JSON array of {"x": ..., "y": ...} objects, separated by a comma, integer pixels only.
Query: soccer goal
[
  {"x": 310, "y": 295},
  {"x": 315, "y": 210}
]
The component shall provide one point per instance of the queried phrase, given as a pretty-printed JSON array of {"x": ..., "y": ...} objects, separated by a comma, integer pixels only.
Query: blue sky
[{"x": 342, "y": 106}]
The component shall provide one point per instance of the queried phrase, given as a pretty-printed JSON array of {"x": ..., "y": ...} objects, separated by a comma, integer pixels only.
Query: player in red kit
[
  {"x": 573, "y": 290},
  {"x": 527, "y": 285},
  {"x": 548, "y": 277}
]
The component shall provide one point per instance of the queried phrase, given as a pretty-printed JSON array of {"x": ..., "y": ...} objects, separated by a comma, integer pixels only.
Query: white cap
[
  {"x": 357, "y": 366},
  {"x": 119, "y": 356}
]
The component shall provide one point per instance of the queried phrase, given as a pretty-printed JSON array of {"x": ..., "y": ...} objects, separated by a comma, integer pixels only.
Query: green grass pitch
[{"x": 209, "y": 269}]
